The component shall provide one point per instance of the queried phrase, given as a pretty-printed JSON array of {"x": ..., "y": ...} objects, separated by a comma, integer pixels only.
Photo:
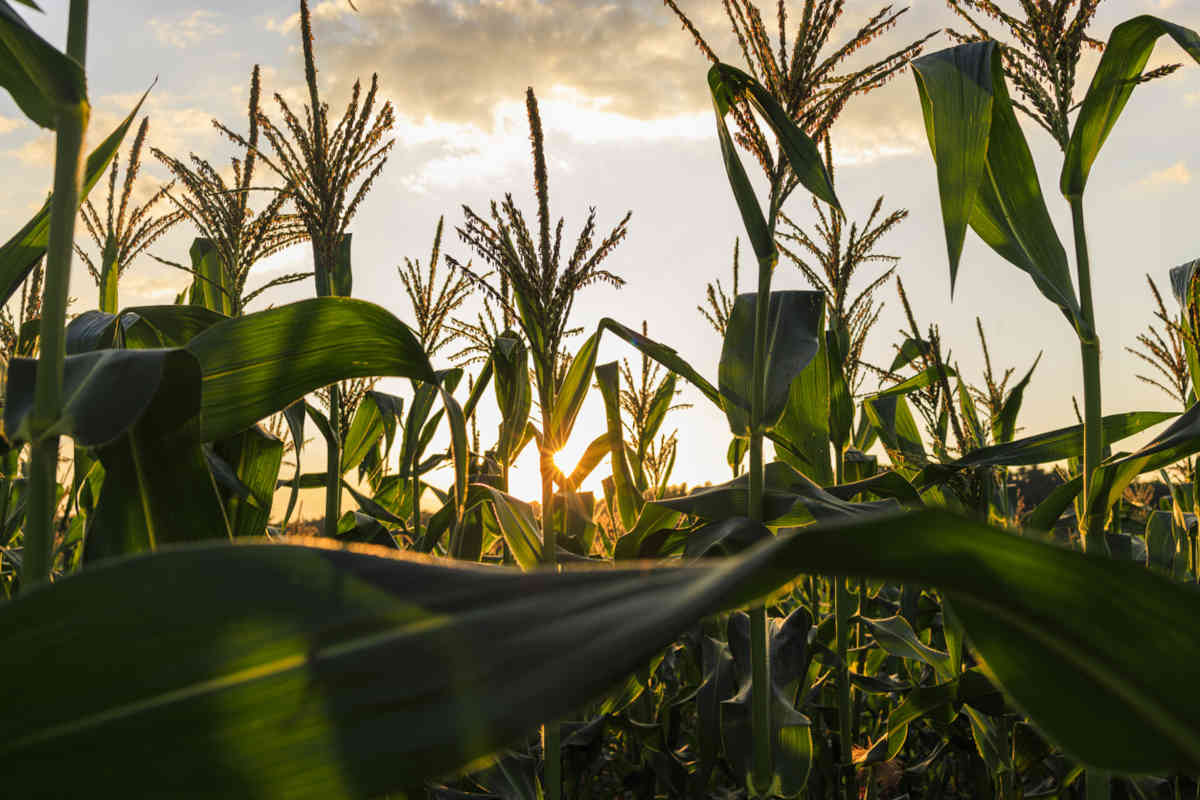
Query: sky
[{"x": 629, "y": 127}]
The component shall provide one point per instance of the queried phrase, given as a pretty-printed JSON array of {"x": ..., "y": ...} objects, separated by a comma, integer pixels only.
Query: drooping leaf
[
  {"x": 1125, "y": 55},
  {"x": 986, "y": 175},
  {"x": 106, "y": 392},
  {"x": 802, "y": 434},
  {"x": 260, "y": 363},
  {"x": 793, "y": 339},
  {"x": 43, "y": 81},
  {"x": 255, "y": 456},
  {"x": 517, "y": 524},
  {"x": 211, "y": 287},
  {"x": 803, "y": 155},
  {"x": 514, "y": 394}
]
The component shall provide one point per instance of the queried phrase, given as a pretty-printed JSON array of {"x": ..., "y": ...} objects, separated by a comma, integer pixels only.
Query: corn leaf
[
  {"x": 629, "y": 500},
  {"x": 1125, "y": 55},
  {"x": 44, "y": 82},
  {"x": 986, "y": 175},
  {"x": 793, "y": 339},
  {"x": 256, "y": 365}
]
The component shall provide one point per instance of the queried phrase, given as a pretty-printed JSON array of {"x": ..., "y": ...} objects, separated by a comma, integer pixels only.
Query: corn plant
[
  {"x": 122, "y": 236},
  {"x": 543, "y": 293},
  {"x": 221, "y": 213},
  {"x": 326, "y": 174}
]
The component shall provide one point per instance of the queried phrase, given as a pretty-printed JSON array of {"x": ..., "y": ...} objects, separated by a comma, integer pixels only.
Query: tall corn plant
[
  {"x": 986, "y": 175},
  {"x": 544, "y": 281},
  {"x": 432, "y": 304},
  {"x": 802, "y": 93},
  {"x": 124, "y": 232},
  {"x": 327, "y": 171},
  {"x": 222, "y": 214},
  {"x": 50, "y": 87}
]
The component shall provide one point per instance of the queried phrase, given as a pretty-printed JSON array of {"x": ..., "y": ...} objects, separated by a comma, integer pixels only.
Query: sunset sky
[{"x": 629, "y": 127}]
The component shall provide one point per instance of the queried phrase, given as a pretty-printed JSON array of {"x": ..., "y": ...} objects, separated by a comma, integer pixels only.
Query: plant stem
[
  {"x": 43, "y": 467},
  {"x": 415, "y": 480},
  {"x": 841, "y": 613},
  {"x": 1091, "y": 528},
  {"x": 551, "y": 735},
  {"x": 333, "y": 464}
]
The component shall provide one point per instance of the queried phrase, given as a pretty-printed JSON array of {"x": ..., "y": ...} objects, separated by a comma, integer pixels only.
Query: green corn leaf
[
  {"x": 1047, "y": 512},
  {"x": 20, "y": 254},
  {"x": 629, "y": 500},
  {"x": 460, "y": 454},
  {"x": 571, "y": 393},
  {"x": 723, "y": 96},
  {"x": 1054, "y": 445},
  {"x": 1004, "y": 427},
  {"x": 157, "y": 490},
  {"x": 516, "y": 524},
  {"x": 105, "y": 393},
  {"x": 660, "y": 404},
  {"x": 514, "y": 394},
  {"x": 210, "y": 288},
  {"x": 893, "y": 422},
  {"x": 897, "y": 637},
  {"x": 591, "y": 458},
  {"x": 841, "y": 404},
  {"x": 924, "y": 378},
  {"x": 1180, "y": 440},
  {"x": 294, "y": 416},
  {"x": 803, "y": 155},
  {"x": 986, "y": 175},
  {"x": 45, "y": 82},
  {"x": 663, "y": 355},
  {"x": 255, "y": 456},
  {"x": 366, "y": 429},
  {"x": 654, "y": 518},
  {"x": 1125, "y": 55},
  {"x": 335, "y": 647},
  {"x": 793, "y": 339},
  {"x": 259, "y": 364},
  {"x": 802, "y": 436}
]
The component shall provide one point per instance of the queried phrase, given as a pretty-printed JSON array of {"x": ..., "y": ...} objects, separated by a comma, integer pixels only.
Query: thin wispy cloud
[
  {"x": 185, "y": 31},
  {"x": 1175, "y": 175}
]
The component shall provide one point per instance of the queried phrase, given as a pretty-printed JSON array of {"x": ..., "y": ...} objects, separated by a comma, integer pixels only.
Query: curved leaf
[
  {"x": 259, "y": 364},
  {"x": 793, "y": 339},
  {"x": 1126, "y": 53}
]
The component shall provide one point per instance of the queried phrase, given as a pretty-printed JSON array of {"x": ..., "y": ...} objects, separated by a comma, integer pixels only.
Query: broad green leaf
[
  {"x": 514, "y": 394},
  {"x": 629, "y": 500},
  {"x": 571, "y": 393},
  {"x": 20, "y": 254},
  {"x": 211, "y": 288},
  {"x": 986, "y": 175},
  {"x": 517, "y": 525},
  {"x": 793, "y": 339},
  {"x": 908, "y": 352},
  {"x": 802, "y": 153},
  {"x": 255, "y": 456},
  {"x": 841, "y": 404},
  {"x": 897, "y": 637},
  {"x": 654, "y": 518},
  {"x": 157, "y": 491},
  {"x": 138, "y": 327},
  {"x": 802, "y": 436},
  {"x": 660, "y": 404},
  {"x": 1125, "y": 55},
  {"x": 259, "y": 364},
  {"x": 893, "y": 422},
  {"x": 460, "y": 454},
  {"x": 43, "y": 81},
  {"x": 1046, "y": 513},
  {"x": 366, "y": 429},
  {"x": 105, "y": 393}
]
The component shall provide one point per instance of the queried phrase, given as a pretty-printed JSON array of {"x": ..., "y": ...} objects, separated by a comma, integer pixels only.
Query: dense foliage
[{"x": 901, "y": 603}]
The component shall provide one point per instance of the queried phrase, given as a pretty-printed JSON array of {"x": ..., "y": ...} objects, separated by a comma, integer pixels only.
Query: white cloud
[
  {"x": 183, "y": 32},
  {"x": 1176, "y": 174}
]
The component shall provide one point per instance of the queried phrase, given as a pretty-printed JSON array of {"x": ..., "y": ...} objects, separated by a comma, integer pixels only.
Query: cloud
[
  {"x": 1176, "y": 174},
  {"x": 182, "y": 32}
]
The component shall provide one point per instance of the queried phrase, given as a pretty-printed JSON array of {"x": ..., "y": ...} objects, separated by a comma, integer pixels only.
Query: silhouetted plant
[
  {"x": 125, "y": 231},
  {"x": 1166, "y": 352},
  {"x": 432, "y": 305},
  {"x": 720, "y": 304},
  {"x": 221, "y": 212}
]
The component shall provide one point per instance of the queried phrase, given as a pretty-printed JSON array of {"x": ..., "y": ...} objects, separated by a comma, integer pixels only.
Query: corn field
[{"x": 861, "y": 602}]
